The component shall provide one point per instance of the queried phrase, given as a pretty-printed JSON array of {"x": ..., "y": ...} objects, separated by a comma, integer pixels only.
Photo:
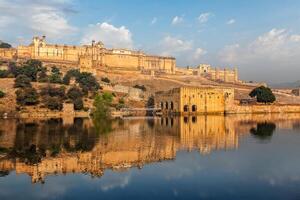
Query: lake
[{"x": 203, "y": 157}]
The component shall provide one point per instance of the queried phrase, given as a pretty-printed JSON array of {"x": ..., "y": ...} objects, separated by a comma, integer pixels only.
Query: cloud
[
  {"x": 204, "y": 17},
  {"x": 230, "y": 22},
  {"x": 154, "y": 20},
  {"x": 111, "y": 36},
  {"x": 199, "y": 52},
  {"x": 183, "y": 50},
  {"x": 36, "y": 17},
  {"x": 177, "y": 20},
  {"x": 172, "y": 45},
  {"x": 274, "y": 51}
]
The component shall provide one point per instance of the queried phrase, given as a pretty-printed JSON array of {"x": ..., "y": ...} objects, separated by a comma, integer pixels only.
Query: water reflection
[{"x": 57, "y": 146}]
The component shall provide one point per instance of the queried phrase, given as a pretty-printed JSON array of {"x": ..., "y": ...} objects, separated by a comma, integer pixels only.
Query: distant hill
[{"x": 287, "y": 85}]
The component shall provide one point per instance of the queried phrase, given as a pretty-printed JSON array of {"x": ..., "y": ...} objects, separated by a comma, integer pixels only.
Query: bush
[
  {"x": 71, "y": 73},
  {"x": 42, "y": 75},
  {"x": 22, "y": 81},
  {"x": 54, "y": 92},
  {"x": 54, "y": 103},
  {"x": 78, "y": 104},
  {"x": 74, "y": 93},
  {"x": 30, "y": 69},
  {"x": 27, "y": 96},
  {"x": 263, "y": 94},
  {"x": 55, "y": 76},
  {"x": 2, "y": 94},
  {"x": 141, "y": 87},
  {"x": 88, "y": 82},
  {"x": 105, "y": 80},
  {"x": 4, "y": 73}
]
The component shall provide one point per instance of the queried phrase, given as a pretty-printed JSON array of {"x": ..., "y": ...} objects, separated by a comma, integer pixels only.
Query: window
[
  {"x": 167, "y": 105},
  {"x": 162, "y": 105},
  {"x": 186, "y": 108},
  {"x": 172, "y": 105},
  {"x": 194, "y": 108}
]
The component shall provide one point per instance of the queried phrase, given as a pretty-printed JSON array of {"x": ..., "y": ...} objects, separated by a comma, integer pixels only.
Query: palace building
[
  {"x": 91, "y": 57},
  {"x": 193, "y": 100}
]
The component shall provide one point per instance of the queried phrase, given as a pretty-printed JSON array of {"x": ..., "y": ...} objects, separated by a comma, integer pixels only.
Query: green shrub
[
  {"x": 54, "y": 92},
  {"x": 22, "y": 81},
  {"x": 54, "y": 103},
  {"x": 42, "y": 76},
  {"x": 71, "y": 73},
  {"x": 27, "y": 96},
  {"x": 74, "y": 93},
  {"x": 2, "y": 94},
  {"x": 78, "y": 104},
  {"x": 141, "y": 87},
  {"x": 263, "y": 94},
  {"x": 4, "y": 73},
  {"x": 55, "y": 76},
  {"x": 105, "y": 80}
]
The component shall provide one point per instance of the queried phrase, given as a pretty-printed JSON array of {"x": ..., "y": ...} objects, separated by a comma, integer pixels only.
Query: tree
[
  {"x": 263, "y": 130},
  {"x": 30, "y": 69},
  {"x": 88, "y": 82},
  {"x": 55, "y": 76},
  {"x": 42, "y": 75},
  {"x": 102, "y": 105},
  {"x": 3, "y": 73},
  {"x": 22, "y": 81},
  {"x": 54, "y": 103},
  {"x": 27, "y": 96},
  {"x": 71, "y": 73},
  {"x": 4, "y": 45},
  {"x": 74, "y": 93},
  {"x": 78, "y": 104},
  {"x": 263, "y": 94},
  {"x": 54, "y": 92}
]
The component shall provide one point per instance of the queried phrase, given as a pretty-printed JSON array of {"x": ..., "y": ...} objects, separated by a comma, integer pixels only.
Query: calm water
[{"x": 212, "y": 157}]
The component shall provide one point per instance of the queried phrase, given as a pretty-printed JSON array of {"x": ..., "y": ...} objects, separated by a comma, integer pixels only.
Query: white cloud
[
  {"x": 204, "y": 17},
  {"x": 172, "y": 45},
  {"x": 274, "y": 51},
  {"x": 36, "y": 17},
  {"x": 230, "y": 22},
  {"x": 111, "y": 36},
  {"x": 199, "y": 52},
  {"x": 154, "y": 20},
  {"x": 177, "y": 20}
]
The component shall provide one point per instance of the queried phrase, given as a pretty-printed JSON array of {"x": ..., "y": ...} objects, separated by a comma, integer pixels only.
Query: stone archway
[
  {"x": 194, "y": 108},
  {"x": 185, "y": 108}
]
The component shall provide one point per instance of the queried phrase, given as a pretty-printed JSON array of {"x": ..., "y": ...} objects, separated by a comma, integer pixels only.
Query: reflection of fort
[{"x": 79, "y": 148}]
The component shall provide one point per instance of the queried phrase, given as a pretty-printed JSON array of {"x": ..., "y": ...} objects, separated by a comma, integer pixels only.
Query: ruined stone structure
[
  {"x": 193, "y": 100},
  {"x": 91, "y": 57}
]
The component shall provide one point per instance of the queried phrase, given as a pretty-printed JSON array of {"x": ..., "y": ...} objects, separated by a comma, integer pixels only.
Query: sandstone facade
[{"x": 193, "y": 100}]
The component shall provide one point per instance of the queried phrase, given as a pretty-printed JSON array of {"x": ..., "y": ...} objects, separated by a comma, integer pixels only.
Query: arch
[
  {"x": 194, "y": 108},
  {"x": 161, "y": 105},
  {"x": 185, "y": 108},
  {"x": 172, "y": 105},
  {"x": 167, "y": 105}
]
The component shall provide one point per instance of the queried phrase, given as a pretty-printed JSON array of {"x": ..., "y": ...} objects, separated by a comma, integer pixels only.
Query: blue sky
[{"x": 260, "y": 37}]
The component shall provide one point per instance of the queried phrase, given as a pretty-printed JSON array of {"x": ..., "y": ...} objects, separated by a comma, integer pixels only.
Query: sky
[{"x": 259, "y": 37}]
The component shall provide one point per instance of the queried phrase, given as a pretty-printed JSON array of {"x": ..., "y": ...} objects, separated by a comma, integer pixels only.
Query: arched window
[
  {"x": 161, "y": 105},
  {"x": 167, "y": 121},
  {"x": 172, "y": 105},
  {"x": 194, "y": 108},
  {"x": 186, "y": 108},
  {"x": 167, "y": 105}
]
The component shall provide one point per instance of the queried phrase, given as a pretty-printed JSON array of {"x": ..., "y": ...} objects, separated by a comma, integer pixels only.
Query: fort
[{"x": 95, "y": 56}]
